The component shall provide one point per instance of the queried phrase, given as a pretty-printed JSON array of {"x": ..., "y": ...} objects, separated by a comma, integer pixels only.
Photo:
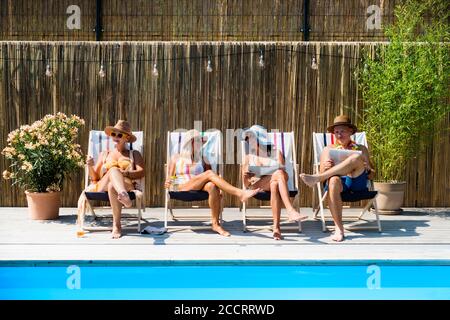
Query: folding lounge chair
[
  {"x": 98, "y": 142},
  {"x": 320, "y": 141},
  {"x": 174, "y": 140},
  {"x": 285, "y": 142}
]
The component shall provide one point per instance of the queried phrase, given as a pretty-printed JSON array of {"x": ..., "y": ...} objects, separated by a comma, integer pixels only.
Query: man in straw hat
[
  {"x": 349, "y": 175},
  {"x": 116, "y": 171}
]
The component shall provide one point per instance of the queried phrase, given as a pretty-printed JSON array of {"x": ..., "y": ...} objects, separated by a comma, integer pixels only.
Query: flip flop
[{"x": 153, "y": 230}]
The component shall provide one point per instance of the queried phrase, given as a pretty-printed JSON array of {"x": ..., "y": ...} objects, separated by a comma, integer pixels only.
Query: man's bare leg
[
  {"x": 353, "y": 164},
  {"x": 335, "y": 204}
]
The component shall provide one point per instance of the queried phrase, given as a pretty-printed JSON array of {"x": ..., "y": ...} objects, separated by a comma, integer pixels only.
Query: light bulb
[
  {"x": 209, "y": 66},
  {"x": 261, "y": 61},
  {"x": 314, "y": 65},
  {"x": 155, "y": 70},
  {"x": 48, "y": 71},
  {"x": 102, "y": 73}
]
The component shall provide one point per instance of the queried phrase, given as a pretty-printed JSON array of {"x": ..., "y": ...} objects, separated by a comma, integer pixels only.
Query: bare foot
[
  {"x": 116, "y": 232},
  {"x": 294, "y": 216},
  {"x": 246, "y": 194},
  {"x": 277, "y": 234},
  {"x": 309, "y": 179},
  {"x": 338, "y": 236},
  {"x": 218, "y": 228},
  {"x": 124, "y": 198}
]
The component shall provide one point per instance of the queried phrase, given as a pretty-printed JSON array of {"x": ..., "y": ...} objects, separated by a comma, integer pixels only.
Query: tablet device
[{"x": 260, "y": 171}]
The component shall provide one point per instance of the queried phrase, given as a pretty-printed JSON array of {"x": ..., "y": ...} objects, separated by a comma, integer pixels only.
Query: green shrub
[{"x": 405, "y": 86}]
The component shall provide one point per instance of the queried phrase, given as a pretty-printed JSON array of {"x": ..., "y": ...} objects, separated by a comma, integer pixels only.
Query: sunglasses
[{"x": 118, "y": 135}]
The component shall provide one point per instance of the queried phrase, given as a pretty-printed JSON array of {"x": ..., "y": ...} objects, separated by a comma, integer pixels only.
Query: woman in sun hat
[
  {"x": 116, "y": 171},
  {"x": 261, "y": 153},
  {"x": 188, "y": 170}
]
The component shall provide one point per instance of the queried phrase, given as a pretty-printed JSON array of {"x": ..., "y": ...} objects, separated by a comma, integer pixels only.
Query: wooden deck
[{"x": 417, "y": 234}]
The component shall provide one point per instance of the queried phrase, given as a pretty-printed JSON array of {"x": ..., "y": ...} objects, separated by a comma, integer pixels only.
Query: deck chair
[
  {"x": 174, "y": 140},
  {"x": 320, "y": 141},
  {"x": 98, "y": 142},
  {"x": 285, "y": 142}
]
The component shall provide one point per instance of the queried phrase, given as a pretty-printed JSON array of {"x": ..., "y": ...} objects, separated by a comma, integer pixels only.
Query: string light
[
  {"x": 102, "y": 73},
  {"x": 155, "y": 72},
  {"x": 209, "y": 66},
  {"x": 48, "y": 71},
  {"x": 314, "y": 65},
  {"x": 261, "y": 60}
]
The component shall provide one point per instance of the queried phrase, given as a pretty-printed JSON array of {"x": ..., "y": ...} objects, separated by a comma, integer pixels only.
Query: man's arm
[{"x": 368, "y": 162}]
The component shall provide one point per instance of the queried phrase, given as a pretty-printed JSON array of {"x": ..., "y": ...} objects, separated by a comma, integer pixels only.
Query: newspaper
[{"x": 339, "y": 155}]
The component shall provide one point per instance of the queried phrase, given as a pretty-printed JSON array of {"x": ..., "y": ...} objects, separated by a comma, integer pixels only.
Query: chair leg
[
  {"x": 322, "y": 214},
  {"x": 244, "y": 218},
  {"x": 166, "y": 207},
  {"x": 376, "y": 214},
  {"x": 298, "y": 209},
  {"x": 139, "y": 205},
  {"x": 369, "y": 203}
]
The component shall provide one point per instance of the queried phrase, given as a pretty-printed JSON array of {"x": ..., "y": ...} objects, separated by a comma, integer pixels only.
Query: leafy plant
[
  {"x": 43, "y": 154},
  {"x": 405, "y": 86}
]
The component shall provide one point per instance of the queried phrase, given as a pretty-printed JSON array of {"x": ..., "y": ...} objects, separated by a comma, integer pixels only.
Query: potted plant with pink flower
[{"x": 41, "y": 156}]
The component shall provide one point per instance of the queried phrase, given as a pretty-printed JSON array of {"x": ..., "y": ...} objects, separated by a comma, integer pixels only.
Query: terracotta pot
[
  {"x": 390, "y": 196},
  {"x": 43, "y": 205}
]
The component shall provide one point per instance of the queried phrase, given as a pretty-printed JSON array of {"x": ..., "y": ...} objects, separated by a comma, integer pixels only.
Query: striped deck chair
[
  {"x": 285, "y": 142},
  {"x": 320, "y": 141},
  {"x": 174, "y": 140},
  {"x": 98, "y": 142}
]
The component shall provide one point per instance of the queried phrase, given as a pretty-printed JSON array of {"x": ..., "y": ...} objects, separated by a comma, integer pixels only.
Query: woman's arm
[
  {"x": 246, "y": 175},
  {"x": 94, "y": 170},
  {"x": 171, "y": 171},
  {"x": 281, "y": 159},
  {"x": 139, "y": 172}
]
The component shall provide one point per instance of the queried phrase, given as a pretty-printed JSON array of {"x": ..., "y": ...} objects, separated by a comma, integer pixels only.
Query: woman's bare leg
[
  {"x": 282, "y": 178},
  {"x": 198, "y": 181},
  {"x": 335, "y": 204},
  {"x": 116, "y": 178},
  {"x": 117, "y": 211},
  {"x": 275, "y": 203},
  {"x": 215, "y": 205},
  {"x": 354, "y": 165}
]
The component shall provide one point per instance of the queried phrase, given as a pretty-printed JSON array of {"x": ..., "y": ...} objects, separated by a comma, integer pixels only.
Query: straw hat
[
  {"x": 121, "y": 126},
  {"x": 342, "y": 120}
]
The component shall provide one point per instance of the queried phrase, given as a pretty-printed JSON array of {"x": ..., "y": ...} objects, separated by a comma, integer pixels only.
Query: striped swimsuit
[{"x": 184, "y": 171}]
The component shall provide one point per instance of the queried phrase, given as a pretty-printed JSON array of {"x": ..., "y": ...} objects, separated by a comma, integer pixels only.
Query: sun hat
[
  {"x": 210, "y": 149},
  {"x": 188, "y": 136},
  {"x": 342, "y": 120},
  {"x": 121, "y": 126},
  {"x": 259, "y": 132}
]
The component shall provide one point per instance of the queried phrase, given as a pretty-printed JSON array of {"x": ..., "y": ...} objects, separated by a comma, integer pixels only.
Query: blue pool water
[{"x": 225, "y": 280}]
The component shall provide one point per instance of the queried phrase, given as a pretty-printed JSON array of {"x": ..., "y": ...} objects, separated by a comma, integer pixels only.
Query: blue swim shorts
[{"x": 358, "y": 183}]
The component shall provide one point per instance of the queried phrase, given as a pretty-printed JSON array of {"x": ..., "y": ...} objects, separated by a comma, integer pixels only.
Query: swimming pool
[{"x": 225, "y": 280}]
